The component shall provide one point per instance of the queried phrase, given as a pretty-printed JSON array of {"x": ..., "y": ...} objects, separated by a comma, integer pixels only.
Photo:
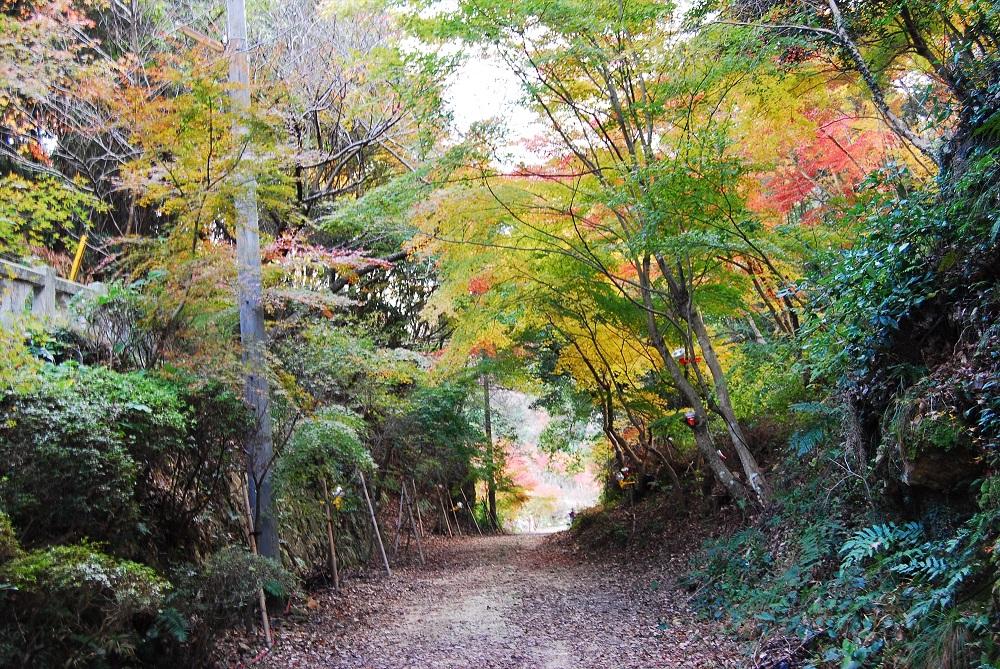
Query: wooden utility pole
[
  {"x": 252, "y": 336},
  {"x": 491, "y": 476}
]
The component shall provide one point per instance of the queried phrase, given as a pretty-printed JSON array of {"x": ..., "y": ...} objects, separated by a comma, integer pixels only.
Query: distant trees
[{"x": 645, "y": 198}]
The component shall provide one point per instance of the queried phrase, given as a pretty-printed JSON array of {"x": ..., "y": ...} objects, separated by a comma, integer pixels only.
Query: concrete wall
[{"x": 38, "y": 291}]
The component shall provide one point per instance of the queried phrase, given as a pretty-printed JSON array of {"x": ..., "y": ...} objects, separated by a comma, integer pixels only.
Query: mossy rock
[
  {"x": 939, "y": 431},
  {"x": 933, "y": 446}
]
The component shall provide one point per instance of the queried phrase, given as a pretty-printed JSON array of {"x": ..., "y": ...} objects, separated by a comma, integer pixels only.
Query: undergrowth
[{"x": 854, "y": 588}]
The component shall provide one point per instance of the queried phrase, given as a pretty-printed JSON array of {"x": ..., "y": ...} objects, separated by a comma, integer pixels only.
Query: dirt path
[{"x": 511, "y": 602}]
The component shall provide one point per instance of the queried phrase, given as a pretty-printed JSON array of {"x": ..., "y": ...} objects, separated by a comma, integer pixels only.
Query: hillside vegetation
[{"x": 745, "y": 261}]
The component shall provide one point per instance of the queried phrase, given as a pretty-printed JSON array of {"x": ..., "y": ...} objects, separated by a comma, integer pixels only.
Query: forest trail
[{"x": 506, "y": 602}]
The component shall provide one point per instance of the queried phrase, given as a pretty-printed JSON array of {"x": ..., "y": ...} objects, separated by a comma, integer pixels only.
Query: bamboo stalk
[
  {"x": 413, "y": 524},
  {"x": 371, "y": 513},
  {"x": 454, "y": 514},
  {"x": 416, "y": 503},
  {"x": 444, "y": 513},
  {"x": 399, "y": 524},
  {"x": 472, "y": 513}
]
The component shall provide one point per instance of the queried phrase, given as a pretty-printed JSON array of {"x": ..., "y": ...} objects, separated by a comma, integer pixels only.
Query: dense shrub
[
  {"x": 136, "y": 460},
  {"x": 78, "y": 606},
  {"x": 207, "y": 600},
  {"x": 857, "y": 593},
  {"x": 75, "y": 605},
  {"x": 325, "y": 449},
  {"x": 64, "y": 474},
  {"x": 10, "y": 548},
  {"x": 224, "y": 590}
]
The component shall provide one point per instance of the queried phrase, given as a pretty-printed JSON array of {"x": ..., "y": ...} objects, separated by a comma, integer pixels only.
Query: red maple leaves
[
  {"x": 479, "y": 285},
  {"x": 289, "y": 250},
  {"x": 825, "y": 170}
]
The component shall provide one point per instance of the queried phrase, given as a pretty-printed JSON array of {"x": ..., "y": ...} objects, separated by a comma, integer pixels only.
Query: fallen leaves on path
[{"x": 506, "y": 602}]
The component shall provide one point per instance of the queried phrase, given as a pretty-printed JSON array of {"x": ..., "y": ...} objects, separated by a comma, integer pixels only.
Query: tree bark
[
  {"x": 750, "y": 467},
  {"x": 897, "y": 124},
  {"x": 491, "y": 476},
  {"x": 702, "y": 438}
]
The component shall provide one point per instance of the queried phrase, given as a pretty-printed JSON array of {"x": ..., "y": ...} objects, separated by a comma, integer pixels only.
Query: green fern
[{"x": 874, "y": 540}]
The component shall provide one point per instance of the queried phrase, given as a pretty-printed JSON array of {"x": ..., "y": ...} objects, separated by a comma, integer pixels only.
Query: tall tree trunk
[
  {"x": 491, "y": 475},
  {"x": 750, "y": 467},
  {"x": 252, "y": 335},
  {"x": 702, "y": 438}
]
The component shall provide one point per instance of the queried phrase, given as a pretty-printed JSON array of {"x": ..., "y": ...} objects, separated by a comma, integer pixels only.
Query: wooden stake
[
  {"x": 454, "y": 514},
  {"x": 327, "y": 502},
  {"x": 413, "y": 524},
  {"x": 416, "y": 503},
  {"x": 261, "y": 600},
  {"x": 444, "y": 513},
  {"x": 399, "y": 523},
  {"x": 472, "y": 513},
  {"x": 371, "y": 513}
]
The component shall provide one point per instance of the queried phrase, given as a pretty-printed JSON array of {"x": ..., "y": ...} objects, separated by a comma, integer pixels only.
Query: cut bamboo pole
[
  {"x": 261, "y": 600},
  {"x": 327, "y": 503},
  {"x": 447, "y": 523},
  {"x": 413, "y": 524},
  {"x": 472, "y": 512},
  {"x": 399, "y": 523},
  {"x": 371, "y": 513},
  {"x": 454, "y": 514},
  {"x": 416, "y": 503}
]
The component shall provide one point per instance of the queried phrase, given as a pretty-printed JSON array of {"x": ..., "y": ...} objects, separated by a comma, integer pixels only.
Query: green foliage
[
  {"x": 131, "y": 459},
  {"x": 76, "y": 606},
  {"x": 17, "y": 364},
  {"x": 10, "y": 548},
  {"x": 762, "y": 383},
  {"x": 326, "y": 444},
  {"x": 43, "y": 212},
  {"x": 859, "y": 596},
  {"x": 225, "y": 589},
  {"x": 324, "y": 453},
  {"x": 65, "y": 473}
]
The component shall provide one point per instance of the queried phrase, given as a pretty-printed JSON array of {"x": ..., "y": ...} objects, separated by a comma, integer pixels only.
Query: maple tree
[{"x": 742, "y": 276}]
